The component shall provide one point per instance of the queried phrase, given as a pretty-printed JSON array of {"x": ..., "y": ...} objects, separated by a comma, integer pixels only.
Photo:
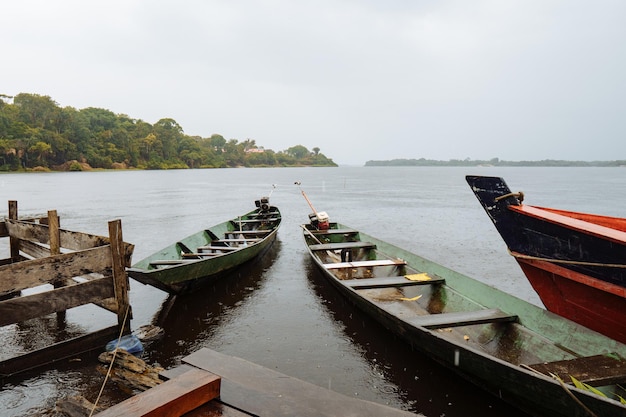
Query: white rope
[{"x": 95, "y": 404}]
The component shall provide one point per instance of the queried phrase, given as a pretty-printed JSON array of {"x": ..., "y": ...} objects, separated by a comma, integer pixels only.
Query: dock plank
[
  {"x": 175, "y": 397},
  {"x": 264, "y": 392}
]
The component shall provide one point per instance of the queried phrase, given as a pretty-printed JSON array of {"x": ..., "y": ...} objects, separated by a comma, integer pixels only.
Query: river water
[{"x": 278, "y": 312}]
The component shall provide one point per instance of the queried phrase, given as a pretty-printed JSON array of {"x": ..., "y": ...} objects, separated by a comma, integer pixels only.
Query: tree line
[
  {"x": 496, "y": 162},
  {"x": 36, "y": 133}
]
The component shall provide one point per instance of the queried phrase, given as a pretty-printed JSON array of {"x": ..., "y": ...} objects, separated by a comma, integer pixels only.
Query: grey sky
[{"x": 361, "y": 80}]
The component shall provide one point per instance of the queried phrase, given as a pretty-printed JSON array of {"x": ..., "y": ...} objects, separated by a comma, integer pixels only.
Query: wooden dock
[
  {"x": 210, "y": 383},
  {"x": 68, "y": 269}
]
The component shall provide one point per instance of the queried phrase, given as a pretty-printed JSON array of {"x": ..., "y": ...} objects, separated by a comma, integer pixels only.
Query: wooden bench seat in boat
[
  {"x": 166, "y": 262},
  {"x": 215, "y": 247},
  {"x": 365, "y": 264},
  {"x": 235, "y": 240},
  {"x": 271, "y": 219},
  {"x": 383, "y": 282},
  {"x": 196, "y": 255},
  {"x": 343, "y": 245},
  {"x": 463, "y": 318},
  {"x": 248, "y": 232},
  {"x": 593, "y": 370},
  {"x": 334, "y": 232}
]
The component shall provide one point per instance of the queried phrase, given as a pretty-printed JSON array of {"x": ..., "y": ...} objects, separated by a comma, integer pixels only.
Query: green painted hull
[
  {"x": 496, "y": 353},
  {"x": 189, "y": 263}
]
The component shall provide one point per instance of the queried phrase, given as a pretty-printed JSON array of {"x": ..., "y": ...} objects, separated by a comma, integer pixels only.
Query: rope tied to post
[{"x": 519, "y": 195}]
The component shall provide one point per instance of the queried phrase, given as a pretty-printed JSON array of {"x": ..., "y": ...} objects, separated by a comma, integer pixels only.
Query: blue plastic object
[{"x": 130, "y": 343}]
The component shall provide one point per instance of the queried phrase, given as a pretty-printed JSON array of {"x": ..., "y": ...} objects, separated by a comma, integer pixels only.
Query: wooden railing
[{"x": 74, "y": 269}]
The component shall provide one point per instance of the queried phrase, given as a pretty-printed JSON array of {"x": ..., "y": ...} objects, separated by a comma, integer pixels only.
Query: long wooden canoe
[
  {"x": 210, "y": 253},
  {"x": 520, "y": 352},
  {"x": 576, "y": 262}
]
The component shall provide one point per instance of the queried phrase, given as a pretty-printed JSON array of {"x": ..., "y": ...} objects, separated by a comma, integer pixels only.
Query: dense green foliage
[
  {"x": 495, "y": 162},
  {"x": 36, "y": 133}
]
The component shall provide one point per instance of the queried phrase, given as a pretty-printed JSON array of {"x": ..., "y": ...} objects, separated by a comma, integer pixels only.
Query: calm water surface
[{"x": 278, "y": 312}]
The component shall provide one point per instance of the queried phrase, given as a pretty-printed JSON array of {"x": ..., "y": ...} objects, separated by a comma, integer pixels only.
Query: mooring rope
[
  {"x": 563, "y": 261},
  {"x": 519, "y": 195},
  {"x": 106, "y": 377}
]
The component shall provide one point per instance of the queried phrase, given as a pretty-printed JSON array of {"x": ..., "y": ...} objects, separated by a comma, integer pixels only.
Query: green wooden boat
[
  {"x": 521, "y": 353},
  {"x": 211, "y": 253}
]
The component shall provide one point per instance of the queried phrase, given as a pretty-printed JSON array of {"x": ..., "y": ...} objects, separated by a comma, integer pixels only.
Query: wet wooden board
[
  {"x": 343, "y": 245},
  {"x": 383, "y": 282},
  {"x": 463, "y": 318},
  {"x": 594, "y": 370},
  {"x": 175, "y": 397},
  {"x": 365, "y": 264},
  {"x": 264, "y": 392},
  {"x": 334, "y": 232}
]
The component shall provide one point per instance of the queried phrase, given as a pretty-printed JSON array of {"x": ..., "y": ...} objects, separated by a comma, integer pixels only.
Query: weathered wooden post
[
  {"x": 54, "y": 233},
  {"x": 13, "y": 241},
  {"x": 120, "y": 279}
]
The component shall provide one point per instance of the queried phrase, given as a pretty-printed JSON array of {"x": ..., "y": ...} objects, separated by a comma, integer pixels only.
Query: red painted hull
[{"x": 594, "y": 303}]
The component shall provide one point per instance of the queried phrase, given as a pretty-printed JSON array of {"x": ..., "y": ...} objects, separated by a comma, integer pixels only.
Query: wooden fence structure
[{"x": 69, "y": 269}]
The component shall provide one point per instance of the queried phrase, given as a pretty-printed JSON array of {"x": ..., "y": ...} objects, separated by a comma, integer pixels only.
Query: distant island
[
  {"x": 495, "y": 162},
  {"x": 38, "y": 135}
]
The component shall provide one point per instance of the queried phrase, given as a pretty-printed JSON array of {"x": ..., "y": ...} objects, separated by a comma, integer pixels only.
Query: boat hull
[
  {"x": 489, "y": 355},
  {"x": 574, "y": 261},
  {"x": 174, "y": 269}
]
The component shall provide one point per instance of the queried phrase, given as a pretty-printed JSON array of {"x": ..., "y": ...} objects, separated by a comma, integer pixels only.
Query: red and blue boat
[{"x": 576, "y": 262}]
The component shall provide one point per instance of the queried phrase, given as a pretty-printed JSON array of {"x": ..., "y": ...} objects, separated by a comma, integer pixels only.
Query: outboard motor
[
  {"x": 263, "y": 203},
  {"x": 319, "y": 220}
]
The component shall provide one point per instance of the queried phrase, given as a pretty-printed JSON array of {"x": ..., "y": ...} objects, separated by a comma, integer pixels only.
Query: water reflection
[
  {"x": 415, "y": 383},
  {"x": 191, "y": 320}
]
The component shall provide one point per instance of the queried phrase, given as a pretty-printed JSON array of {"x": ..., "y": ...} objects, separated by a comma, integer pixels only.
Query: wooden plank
[
  {"x": 249, "y": 232},
  {"x": 212, "y": 247},
  {"x": 244, "y": 221},
  {"x": 39, "y": 233},
  {"x": 463, "y": 318},
  {"x": 120, "y": 279},
  {"x": 175, "y": 397},
  {"x": 235, "y": 240},
  {"x": 54, "y": 232},
  {"x": 216, "y": 409},
  {"x": 198, "y": 255},
  {"x": 334, "y": 232},
  {"x": 59, "y": 351},
  {"x": 165, "y": 262},
  {"x": 40, "y": 304},
  {"x": 34, "y": 249},
  {"x": 4, "y": 232},
  {"x": 384, "y": 282},
  {"x": 264, "y": 392},
  {"x": 365, "y": 264},
  {"x": 596, "y": 370},
  {"x": 343, "y": 245},
  {"x": 76, "y": 241},
  {"x": 13, "y": 241},
  {"x": 29, "y": 274}
]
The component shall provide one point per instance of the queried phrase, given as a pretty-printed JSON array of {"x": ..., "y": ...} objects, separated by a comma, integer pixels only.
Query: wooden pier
[
  {"x": 67, "y": 269},
  {"x": 210, "y": 383}
]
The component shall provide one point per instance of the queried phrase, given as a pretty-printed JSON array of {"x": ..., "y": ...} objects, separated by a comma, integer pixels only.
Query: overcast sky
[{"x": 361, "y": 80}]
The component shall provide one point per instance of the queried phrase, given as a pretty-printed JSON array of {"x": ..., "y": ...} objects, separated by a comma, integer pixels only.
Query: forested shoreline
[
  {"x": 496, "y": 162},
  {"x": 37, "y": 134}
]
